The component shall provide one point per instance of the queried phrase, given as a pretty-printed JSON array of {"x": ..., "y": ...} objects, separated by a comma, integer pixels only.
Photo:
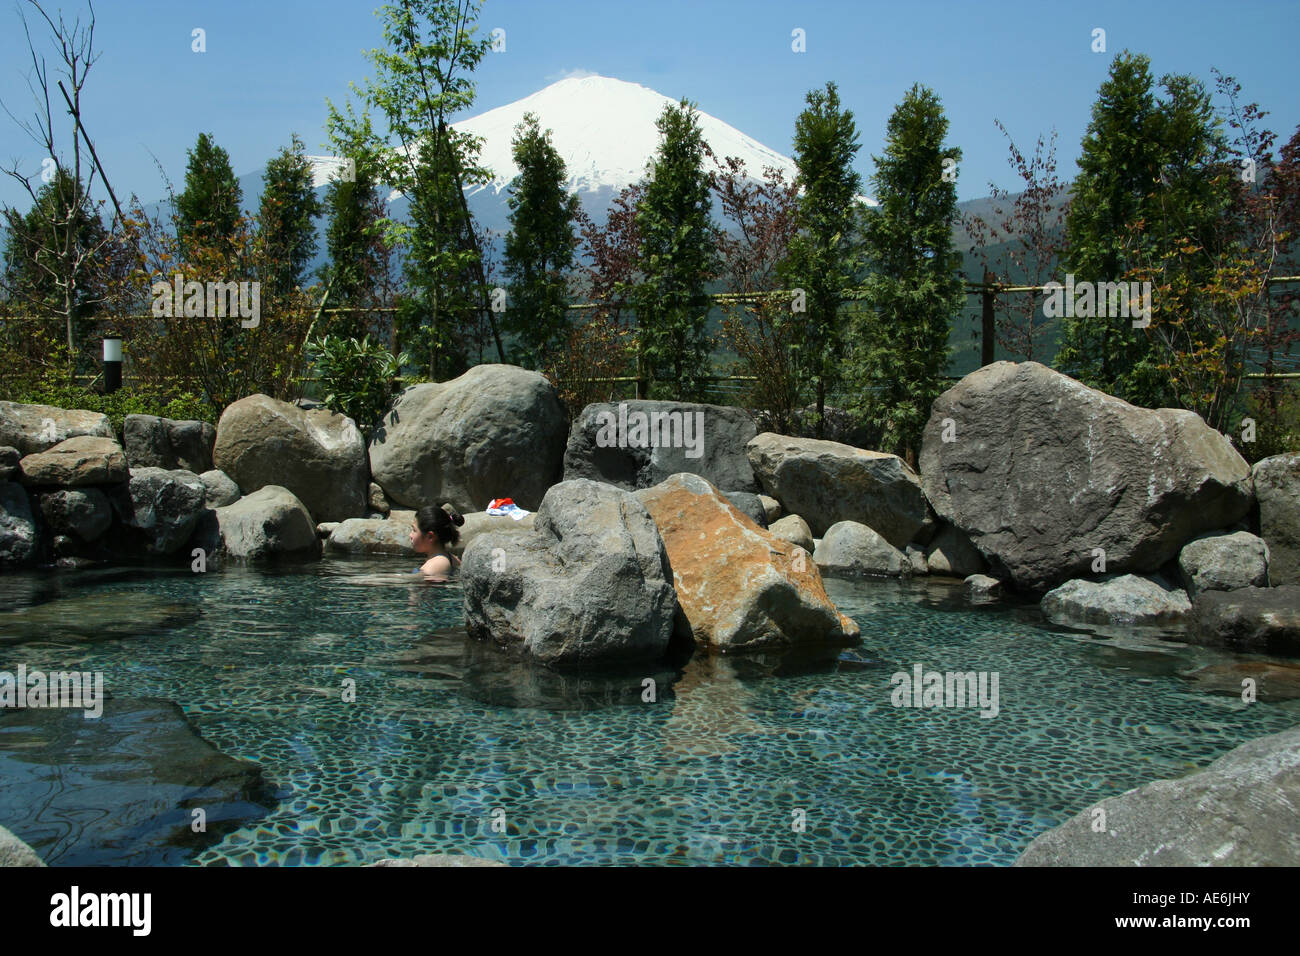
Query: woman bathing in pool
[{"x": 433, "y": 531}]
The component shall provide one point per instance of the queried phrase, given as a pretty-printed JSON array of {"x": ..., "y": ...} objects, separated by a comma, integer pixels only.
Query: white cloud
[{"x": 575, "y": 74}]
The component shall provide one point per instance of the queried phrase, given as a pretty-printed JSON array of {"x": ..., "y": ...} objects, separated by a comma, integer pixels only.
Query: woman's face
[{"x": 422, "y": 543}]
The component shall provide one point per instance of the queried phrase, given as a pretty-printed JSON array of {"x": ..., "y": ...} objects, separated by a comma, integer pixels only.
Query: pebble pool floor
[{"x": 449, "y": 750}]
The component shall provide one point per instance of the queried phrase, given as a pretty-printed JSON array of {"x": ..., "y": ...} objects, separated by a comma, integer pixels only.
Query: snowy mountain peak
[{"x": 604, "y": 129}]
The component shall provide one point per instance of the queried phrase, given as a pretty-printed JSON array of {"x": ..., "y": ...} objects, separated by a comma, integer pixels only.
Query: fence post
[{"x": 986, "y": 319}]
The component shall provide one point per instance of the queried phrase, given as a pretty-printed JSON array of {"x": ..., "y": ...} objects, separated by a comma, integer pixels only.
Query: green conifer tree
[
  {"x": 539, "y": 247},
  {"x": 915, "y": 289},
  {"x": 678, "y": 257}
]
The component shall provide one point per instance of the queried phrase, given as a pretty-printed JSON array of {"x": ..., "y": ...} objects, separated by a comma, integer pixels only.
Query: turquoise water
[{"x": 448, "y": 748}]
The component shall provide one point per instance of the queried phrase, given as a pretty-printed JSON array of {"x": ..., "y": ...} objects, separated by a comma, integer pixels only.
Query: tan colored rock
[
  {"x": 740, "y": 587},
  {"x": 80, "y": 461},
  {"x": 794, "y": 529}
]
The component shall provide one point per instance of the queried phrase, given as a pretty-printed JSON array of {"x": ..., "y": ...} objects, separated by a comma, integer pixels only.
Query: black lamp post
[{"x": 112, "y": 363}]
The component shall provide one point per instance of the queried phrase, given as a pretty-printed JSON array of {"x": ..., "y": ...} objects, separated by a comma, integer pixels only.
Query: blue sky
[{"x": 270, "y": 64}]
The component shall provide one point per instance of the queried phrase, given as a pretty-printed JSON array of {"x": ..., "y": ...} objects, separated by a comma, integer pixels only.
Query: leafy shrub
[{"x": 357, "y": 377}]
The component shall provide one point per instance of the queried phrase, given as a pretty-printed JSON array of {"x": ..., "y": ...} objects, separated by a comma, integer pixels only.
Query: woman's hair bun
[{"x": 457, "y": 519}]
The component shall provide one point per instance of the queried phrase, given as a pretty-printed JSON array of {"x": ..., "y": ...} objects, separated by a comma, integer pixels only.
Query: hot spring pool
[{"x": 449, "y": 749}]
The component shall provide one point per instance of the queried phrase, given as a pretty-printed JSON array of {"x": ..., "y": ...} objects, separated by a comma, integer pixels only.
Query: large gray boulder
[
  {"x": 639, "y": 444},
  {"x": 495, "y": 432},
  {"x": 75, "y": 463},
  {"x": 18, "y": 531},
  {"x": 268, "y": 523},
  {"x": 316, "y": 454},
  {"x": 825, "y": 482},
  {"x": 14, "y": 852},
  {"x": 1277, "y": 488},
  {"x": 84, "y": 512},
  {"x": 849, "y": 547},
  {"x": 1223, "y": 562},
  {"x": 154, "y": 442},
  {"x": 35, "y": 428},
  {"x": 159, "y": 508},
  {"x": 1239, "y": 811},
  {"x": 1251, "y": 620},
  {"x": 590, "y": 586},
  {"x": 1116, "y": 600},
  {"x": 1045, "y": 474}
]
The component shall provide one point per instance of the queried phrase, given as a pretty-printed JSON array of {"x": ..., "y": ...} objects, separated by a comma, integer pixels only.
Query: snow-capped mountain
[
  {"x": 603, "y": 128},
  {"x": 605, "y": 131}
]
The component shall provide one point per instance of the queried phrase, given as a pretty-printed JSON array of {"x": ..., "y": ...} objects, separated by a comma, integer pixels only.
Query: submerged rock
[
  {"x": 98, "y": 616},
  {"x": 440, "y": 859},
  {"x": 825, "y": 482},
  {"x": 1258, "y": 620},
  {"x": 1239, "y": 811},
  {"x": 1043, "y": 472},
  {"x": 120, "y": 790},
  {"x": 591, "y": 586},
  {"x": 739, "y": 587}
]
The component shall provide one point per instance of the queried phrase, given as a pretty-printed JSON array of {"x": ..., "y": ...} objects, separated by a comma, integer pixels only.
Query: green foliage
[
  {"x": 208, "y": 210},
  {"x": 423, "y": 78},
  {"x": 357, "y": 377},
  {"x": 358, "y": 261},
  {"x": 47, "y": 382},
  {"x": 825, "y": 255},
  {"x": 288, "y": 213},
  {"x": 1148, "y": 185},
  {"x": 678, "y": 257},
  {"x": 900, "y": 343},
  {"x": 539, "y": 247}
]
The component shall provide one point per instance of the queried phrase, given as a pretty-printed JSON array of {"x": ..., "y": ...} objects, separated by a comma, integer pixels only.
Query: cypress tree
[
  {"x": 824, "y": 257},
  {"x": 678, "y": 256},
  {"x": 208, "y": 209},
  {"x": 539, "y": 247},
  {"x": 288, "y": 213},
  {"x": 915, "y": 288}
]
